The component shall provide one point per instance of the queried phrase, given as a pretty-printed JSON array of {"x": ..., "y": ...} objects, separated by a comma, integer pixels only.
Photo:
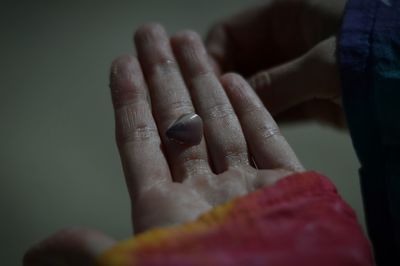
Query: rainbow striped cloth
[{"x": 301, "y": 220}]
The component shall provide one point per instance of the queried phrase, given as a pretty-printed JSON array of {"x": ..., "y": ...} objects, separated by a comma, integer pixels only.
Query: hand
[
  {"x": 287, "y": 49},
  {"x": 170, "y": 183}
]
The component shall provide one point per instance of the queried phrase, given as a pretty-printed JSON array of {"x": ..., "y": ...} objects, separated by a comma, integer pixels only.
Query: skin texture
[
  {"x": 286, "y": 48},
  {"x": 241, "y": 148}
]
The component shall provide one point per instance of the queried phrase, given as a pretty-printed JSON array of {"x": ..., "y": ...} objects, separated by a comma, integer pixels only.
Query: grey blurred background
[{"x": 59, "y": 165}]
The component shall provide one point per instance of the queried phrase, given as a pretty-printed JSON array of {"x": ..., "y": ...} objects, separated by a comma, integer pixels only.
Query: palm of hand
[
  {"x": 176, "y": 203},
  {"x": 170, "y": 183}
]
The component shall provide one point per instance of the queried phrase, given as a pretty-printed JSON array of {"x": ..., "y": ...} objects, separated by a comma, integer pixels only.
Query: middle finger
[
  {"x": 170, "y": 100},
  {"x": 225, "y": 139}
]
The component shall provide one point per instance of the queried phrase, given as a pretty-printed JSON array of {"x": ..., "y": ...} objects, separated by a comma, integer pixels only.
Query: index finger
[{"x": 136, "y": 132}]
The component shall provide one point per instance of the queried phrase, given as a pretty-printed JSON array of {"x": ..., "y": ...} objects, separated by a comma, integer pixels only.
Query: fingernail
[
  {"x": 187, "y": 129},
  {"x": 260, "y": 81}
]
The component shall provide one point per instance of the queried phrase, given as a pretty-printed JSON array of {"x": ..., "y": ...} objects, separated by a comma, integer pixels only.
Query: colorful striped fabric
[{"x": 301, "y": 220}]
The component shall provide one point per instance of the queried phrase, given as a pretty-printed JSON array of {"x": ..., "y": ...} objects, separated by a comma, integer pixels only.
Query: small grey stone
[{"x": 187, "y": 129}]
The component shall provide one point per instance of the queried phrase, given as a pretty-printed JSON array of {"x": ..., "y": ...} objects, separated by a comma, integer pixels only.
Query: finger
[
  {"x": 267, "y": 145},
  {"x": 256, "y": 38},
  {"x": 218, "y": 46},
  {"x": 313, "y": 75},
  {"x": 321, "y": 111},
  {"x": 170, "y": 100},
  {"x": 75, "y": 246},
  {"x": 225, "y": 140},
  {"x": 136, "y": 132}
]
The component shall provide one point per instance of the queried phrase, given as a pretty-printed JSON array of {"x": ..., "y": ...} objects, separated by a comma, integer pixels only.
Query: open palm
[{"x": 171, "y": 183}]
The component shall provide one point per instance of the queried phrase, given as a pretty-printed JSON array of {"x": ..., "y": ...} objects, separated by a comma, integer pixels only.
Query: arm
[{"x": 369, "y": 52}]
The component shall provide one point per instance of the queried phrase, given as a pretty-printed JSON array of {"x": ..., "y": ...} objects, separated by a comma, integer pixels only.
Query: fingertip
[
  {"x": 260, "y": 81},
  {"x": 230, "y": 79},
  {"x": 122, "y": 61},
  {"x": 188, "y": 43},
  {"x": 191, "y": 54},
  {"x": 239, "y": 91},
  {"x": 122, "y": 67},
  {"x": 282, "y": 86},
  {"x": 216, "y": 37},
  {"x": 234, "y": 83},
  {"x": 126, "y": 78},
  {"x": 148, "y": 30},
  {"x": 185, "y": 37}
]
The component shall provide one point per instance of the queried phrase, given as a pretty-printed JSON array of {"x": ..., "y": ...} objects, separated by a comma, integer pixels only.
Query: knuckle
[
  {"x": 181, "y": 105},
  {"x": 137, "y": 134},
  {"x": 252, "y": 110},
  {"x": 195, "y": 162},
  {"x": 132, "y": 125},
  {"x": 164, "y": 66},
  {"x": 236, "y": 155},
  {"x": 219, "y": 111},
  {"x": 193, "y": 158},
  {"x": 174, "y": 109},
  {"x": 267, "y": 131}
]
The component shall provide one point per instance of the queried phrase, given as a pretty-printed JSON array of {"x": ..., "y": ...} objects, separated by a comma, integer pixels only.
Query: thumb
[
  {"x": 75, "y": 246},
  {"x": 313, "y": 75}
]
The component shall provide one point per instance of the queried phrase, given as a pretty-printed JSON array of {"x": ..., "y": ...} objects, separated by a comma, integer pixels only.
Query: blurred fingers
[
  {"x": 311, "y": 76},
  {"x": 267, "y": 145},
  {"x": 258, "y": 38},
  {"x": 218, "y": 43},
  {"x": 76, "y": 246}
]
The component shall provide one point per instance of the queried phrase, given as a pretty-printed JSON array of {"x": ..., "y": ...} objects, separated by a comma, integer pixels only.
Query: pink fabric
[{"x": 301, "y": 220}]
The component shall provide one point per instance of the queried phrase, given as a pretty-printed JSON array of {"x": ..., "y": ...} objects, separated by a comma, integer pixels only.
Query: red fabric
[{"x": 301, "y": 220}]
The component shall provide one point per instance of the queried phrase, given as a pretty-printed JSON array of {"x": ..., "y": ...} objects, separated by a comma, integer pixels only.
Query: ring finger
[
  {"x": 225, "y": 139},
  {"x": 170, "y": 100}
]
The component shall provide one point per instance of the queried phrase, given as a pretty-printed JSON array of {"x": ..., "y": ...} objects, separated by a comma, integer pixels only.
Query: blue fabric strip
[{"x": 369, "y": 56}]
